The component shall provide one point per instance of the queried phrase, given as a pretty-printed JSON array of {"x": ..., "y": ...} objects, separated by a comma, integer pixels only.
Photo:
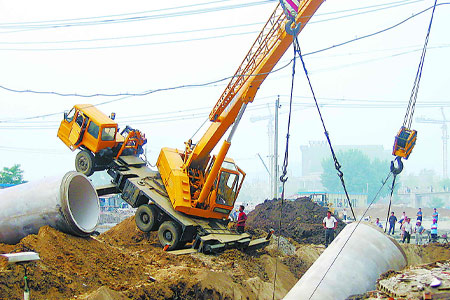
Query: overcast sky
[{"x": 117, "y": 47}]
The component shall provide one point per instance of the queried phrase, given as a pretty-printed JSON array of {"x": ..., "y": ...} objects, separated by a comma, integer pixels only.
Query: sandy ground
[{"x": 125, "y": 263}]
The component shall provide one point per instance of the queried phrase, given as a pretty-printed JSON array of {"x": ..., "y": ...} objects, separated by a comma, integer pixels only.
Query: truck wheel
[
  {"x": 84, "y": 162},
  {"x": 169, "y": 233},
  {"x": 146, "y": 218}
]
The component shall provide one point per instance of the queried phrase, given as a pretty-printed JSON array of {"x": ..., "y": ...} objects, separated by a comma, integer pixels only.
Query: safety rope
[
  {"x": 283, "y": 177},
  {"x": 415, "y": 90},
  {"x": 350, "y": 235},
  {"x": 337, "y": 165}
]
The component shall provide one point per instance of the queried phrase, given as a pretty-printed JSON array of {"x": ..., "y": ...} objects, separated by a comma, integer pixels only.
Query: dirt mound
[
  {"x": 130, "y": 264},
  {"x": 302, "y": 219}
]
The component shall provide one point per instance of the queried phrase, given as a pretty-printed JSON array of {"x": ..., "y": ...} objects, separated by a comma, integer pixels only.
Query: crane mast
[{"x": 192, "y": 177}]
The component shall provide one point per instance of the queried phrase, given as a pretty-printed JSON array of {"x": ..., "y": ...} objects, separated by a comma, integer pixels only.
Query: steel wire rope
[
  {"x": 415, "y": 90},
  {"x": 283, "y": 177},
  {"x": 350, "y": 235},
  {"x": 337, "y": 165}
]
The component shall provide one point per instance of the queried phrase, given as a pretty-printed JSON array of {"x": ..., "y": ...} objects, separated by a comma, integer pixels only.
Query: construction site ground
[{"x": 125, "y": 263}]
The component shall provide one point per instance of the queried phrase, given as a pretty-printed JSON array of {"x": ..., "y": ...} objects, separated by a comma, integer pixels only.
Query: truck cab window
[
  {"x": 108, "y": 133},
  {"x": 93, "y": 129},
  {"x": 69, "y": 115}
]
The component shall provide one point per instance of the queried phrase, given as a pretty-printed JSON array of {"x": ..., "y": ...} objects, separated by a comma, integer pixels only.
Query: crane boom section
[{"x": 272, "y": 42}]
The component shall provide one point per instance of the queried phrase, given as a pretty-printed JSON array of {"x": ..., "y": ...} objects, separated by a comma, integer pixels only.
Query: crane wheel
[
  {"x": 84, "y": 162},
  {"x": 169, "y": 233},
  {"x": 146, "y": 218}
]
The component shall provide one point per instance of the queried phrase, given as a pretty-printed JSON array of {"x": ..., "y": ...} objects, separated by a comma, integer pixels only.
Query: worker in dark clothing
[
  {"x": 392, "y": 221},
  {"x": 330, "y": 224},
  {"x": 240, "y": 225}
]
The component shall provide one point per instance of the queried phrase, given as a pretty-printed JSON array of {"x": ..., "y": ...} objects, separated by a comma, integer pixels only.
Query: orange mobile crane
[{"x": 193, "y": 192}]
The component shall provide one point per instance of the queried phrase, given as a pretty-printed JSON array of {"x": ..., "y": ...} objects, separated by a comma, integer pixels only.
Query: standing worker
[
  {"x": 392, "y": 221},
  {"x": 330, "y": 224},
  {"x": 434, "y": 231},
  {"x": 407, "y": 230},
  {"x": 435, "y": 215},
  {"x": 419, "y": 230},
  {"x": 419, "y": 215},
  {"x": 240, "y": 225}
]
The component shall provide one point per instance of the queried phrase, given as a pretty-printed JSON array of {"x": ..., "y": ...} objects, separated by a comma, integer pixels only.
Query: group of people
[{"x": 407, "y": 229}]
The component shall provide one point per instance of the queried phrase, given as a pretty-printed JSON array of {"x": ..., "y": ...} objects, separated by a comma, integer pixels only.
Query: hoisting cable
[
  {"x": 337, "y": 165},
  {"x": 350, "y": 235},
  {"x": 283, "y": 177},
  {"x": 412, "y": 100},
  {"x": 395, "y": 171}
]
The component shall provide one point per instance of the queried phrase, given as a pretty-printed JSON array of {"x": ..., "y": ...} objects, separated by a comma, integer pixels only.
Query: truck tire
[
  {"x": 84, "y": 162},
  {"x": 169, "y": 233},
  {"x": 146, "y": 218}
]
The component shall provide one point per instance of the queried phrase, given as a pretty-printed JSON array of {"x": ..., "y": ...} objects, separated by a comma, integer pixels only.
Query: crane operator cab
[
  {"x": 224, "y": 193},
  {"x": 405, "y": 140},
  {"x": 86, "y": 128}
]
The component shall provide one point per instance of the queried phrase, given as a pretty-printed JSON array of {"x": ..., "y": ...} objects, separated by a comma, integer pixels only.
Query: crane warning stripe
[{"x": 292, "y": 7}]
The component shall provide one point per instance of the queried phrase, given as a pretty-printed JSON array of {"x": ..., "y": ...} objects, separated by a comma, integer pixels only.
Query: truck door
[{"x": 75, "y": 132}]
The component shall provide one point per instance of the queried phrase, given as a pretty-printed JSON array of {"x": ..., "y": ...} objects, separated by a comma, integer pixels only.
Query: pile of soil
[
  {"x": 301, "y": 219},
  {"x": 125, "y": 263}
]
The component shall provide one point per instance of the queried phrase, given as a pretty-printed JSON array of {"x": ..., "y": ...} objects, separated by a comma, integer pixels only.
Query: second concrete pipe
[{"x": 68, "y": 203}]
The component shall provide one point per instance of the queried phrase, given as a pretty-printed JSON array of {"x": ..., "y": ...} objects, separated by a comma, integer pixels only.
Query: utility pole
[
  {"x": 443, "y": 122},
  {"x": 275, "y": 151}
]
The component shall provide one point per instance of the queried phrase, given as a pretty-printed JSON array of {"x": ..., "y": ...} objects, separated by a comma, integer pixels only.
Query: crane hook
[
  {"x": 292, "y": 30},
  {"x": 397, "y": 170}
]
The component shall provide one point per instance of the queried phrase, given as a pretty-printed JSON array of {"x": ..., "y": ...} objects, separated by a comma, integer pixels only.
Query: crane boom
[
  {"x": 266, "y": 51},
  {"x": 204, "y": 186}
]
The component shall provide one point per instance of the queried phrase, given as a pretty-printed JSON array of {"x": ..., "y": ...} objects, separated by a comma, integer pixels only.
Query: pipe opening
[{"x": 82, "y": 202}]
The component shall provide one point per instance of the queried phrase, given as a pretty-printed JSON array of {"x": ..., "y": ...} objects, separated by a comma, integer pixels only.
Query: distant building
[{"x": 314, "y": 153}]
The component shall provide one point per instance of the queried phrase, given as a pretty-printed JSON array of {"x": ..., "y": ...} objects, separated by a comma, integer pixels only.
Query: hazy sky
[{"x": 116, "y": 47}]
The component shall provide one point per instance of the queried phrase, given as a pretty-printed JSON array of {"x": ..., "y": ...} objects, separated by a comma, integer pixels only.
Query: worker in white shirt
[{"x": 330, "y": 224}]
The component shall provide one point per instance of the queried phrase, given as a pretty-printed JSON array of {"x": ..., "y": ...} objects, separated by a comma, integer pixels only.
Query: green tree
[
  {"x": 13, "y": 175},
  {"x": 360, "y": 174}
]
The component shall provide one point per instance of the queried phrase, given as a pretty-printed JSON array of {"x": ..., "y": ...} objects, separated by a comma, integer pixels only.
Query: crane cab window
[
  {"x": 227, "y": 188},
  {"x": 93, "y": 129},
  {"x": 108, "y": 133},
  {"x": 80, "y": 120}
]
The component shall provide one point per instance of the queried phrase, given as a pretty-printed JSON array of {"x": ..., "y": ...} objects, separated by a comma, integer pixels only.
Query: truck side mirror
[{"x": 65, "y": 114}]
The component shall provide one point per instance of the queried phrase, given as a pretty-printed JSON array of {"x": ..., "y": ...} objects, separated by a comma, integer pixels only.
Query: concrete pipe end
[{"x": 80, "y": 203}]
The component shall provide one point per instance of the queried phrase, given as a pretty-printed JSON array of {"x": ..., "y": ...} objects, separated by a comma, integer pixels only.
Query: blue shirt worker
[
  {"x": 419, "y": 215},
  {"x": 330, "y": 224},
  {"x": 435, "y": 215},
  {"x": 392, "y": 219},
  {"x": 419, "y": 230},
  {"x": 434, "y": 231}
]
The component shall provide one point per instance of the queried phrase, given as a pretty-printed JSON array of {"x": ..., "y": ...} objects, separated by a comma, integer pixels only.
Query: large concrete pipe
[
  {"x": 366, "y": 253},
  {"x": 69, "y": 204}
]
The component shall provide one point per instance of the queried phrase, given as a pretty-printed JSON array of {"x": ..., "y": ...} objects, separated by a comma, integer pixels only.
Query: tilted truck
[{"x": 193, "y": 192}]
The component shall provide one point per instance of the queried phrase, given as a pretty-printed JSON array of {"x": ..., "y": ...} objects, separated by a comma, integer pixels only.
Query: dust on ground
[
  {"x": 125, "y": 263},
  {"x": 302, "y": 219}
]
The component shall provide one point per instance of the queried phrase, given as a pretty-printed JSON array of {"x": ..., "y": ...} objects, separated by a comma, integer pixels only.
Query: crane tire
[
  {"x": 146, "y": 218},
  {"x": 84, "y": 162},
  {"x": 169, "y": 233}
]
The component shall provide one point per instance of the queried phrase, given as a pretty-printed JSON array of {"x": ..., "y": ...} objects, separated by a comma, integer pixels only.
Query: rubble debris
[{"x": 302, "y": 219}]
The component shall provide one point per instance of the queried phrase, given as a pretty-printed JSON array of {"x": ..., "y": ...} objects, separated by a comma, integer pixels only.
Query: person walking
[
  {"x": 419, "y": 215},
  {"x": 392, "y": 220},
  {"x": 419, "y": 230},
  {"x": 407, "y": 230},
  {"x": 242, "y": 217},
  {"x": 435, "y": 215},
  {"x": 330, "y": 224},
  {"x": 434, "y": 231}
]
